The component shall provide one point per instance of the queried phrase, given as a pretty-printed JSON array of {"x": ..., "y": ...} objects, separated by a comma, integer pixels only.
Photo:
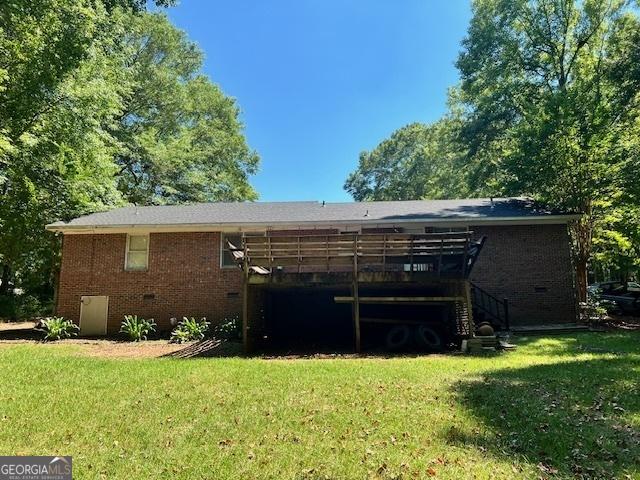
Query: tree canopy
[
  {"x": 181, "y": 136},
  {"x": 547, "y": 107},
  {"x": 103, "y": 103},
  {"x": 545, "y": 112},
  {"x": 417, "y": 161}
]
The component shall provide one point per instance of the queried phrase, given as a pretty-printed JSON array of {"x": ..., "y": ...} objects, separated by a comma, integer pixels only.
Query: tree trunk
[
  {"x": 581, "y": 278},
  {"x": 581, "y": 232},
  {"x": 5, "y": 279}
]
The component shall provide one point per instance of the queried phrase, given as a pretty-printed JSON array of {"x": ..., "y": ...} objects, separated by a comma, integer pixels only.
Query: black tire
[
  {"x": 398, "y": 338},
  {"x": 428, "y": 338}
]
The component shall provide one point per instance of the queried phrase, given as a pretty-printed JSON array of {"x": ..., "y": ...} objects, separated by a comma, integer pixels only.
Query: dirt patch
[
  {"x": 19, "y": 331},
  {"x": 113, "y": 349},
  {"x": 108, "y": 348},
  {"x": 9, "y": 326},
  {"x": 104, "y": 348}
]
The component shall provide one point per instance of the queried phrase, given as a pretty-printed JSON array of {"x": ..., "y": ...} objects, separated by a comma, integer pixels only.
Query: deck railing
[{"x": 442, "y": 254}]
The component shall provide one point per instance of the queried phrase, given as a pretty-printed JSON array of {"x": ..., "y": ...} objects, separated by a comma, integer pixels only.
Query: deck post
[
  {"x": 411, "y": 258},
  {"x": 467, "y": 294},
  {"x": 356, "y": 295},
  {"x": 245, "y": 300},
  {"x": 440, "y": 257},
  {"x": 384, "y": 252}
]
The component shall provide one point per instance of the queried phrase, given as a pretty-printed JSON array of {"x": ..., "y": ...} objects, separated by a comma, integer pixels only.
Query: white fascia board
[{"x": 254, "y": 227}]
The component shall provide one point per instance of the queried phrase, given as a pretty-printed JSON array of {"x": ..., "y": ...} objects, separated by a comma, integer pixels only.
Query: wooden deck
[
  {"x": 350, "y": 259},
  {"x": 449, "y": 255}
]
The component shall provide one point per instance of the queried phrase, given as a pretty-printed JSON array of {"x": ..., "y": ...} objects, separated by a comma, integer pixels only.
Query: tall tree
[
  {"x": 54, "y": 153},
  {"x": 616, "y": 242},
  {"x": 41, "y": 43},
  {"x": 544, "y": 113},
  {"x": 181, "y": 136},
  {"x": 418, "y": 161},
  {"x": 103, "y": 103}
]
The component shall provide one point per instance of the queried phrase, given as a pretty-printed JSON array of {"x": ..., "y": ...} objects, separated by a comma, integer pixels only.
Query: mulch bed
[
  {"x": 104, "y": 348},
  {"x": 15, "y": 333}
]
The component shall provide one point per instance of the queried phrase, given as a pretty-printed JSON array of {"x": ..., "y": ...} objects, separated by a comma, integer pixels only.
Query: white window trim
[
  {"x": 126, "y": 252},
  {"x": 223, "y": 246}
]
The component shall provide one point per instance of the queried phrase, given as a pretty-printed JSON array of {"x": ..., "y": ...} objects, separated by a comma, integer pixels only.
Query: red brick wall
[
  {"x": 531, "y": 266},
  {"x": 184, "y": 275}
]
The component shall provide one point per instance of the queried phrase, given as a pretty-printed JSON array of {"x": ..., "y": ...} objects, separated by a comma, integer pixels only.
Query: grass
[{"x": 561, "y": 407}]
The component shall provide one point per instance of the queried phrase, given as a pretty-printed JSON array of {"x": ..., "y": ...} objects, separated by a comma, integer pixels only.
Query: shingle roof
[{"x": 293, "y": 213}]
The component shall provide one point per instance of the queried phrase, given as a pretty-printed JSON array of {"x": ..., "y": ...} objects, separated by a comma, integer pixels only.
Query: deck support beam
[
  {"x": 356, "y": 315},
  {"x": 401, "y": 300},
  {"x": 356, "y": 297},
  {"x": 245, "y": 304}
]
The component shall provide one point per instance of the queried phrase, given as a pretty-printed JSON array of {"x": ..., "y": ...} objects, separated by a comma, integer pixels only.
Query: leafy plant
[
  {"x": 137, "y": 328},
  {"x": 57, "y": 328},
  {"x": 595, "y": 310},
  {"x": 229, "y": 330},
  {"x": 189, "y": 329}
]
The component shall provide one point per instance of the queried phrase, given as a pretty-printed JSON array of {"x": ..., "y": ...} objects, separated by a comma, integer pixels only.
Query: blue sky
[{"x": 318, "y": 81}]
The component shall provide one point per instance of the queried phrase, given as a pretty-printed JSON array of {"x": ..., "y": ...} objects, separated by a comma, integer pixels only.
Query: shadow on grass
[
  {"x": 213, "y": 348},
  {"x": 27, "y": 334},
  {"x": 208, "y": 348},
  {"x": 572, "y": 418}
]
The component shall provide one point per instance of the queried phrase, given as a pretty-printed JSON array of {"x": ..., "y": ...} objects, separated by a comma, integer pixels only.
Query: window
[
  {"x": 226, "y": 259},
  {"x": 137, "y": 257}
]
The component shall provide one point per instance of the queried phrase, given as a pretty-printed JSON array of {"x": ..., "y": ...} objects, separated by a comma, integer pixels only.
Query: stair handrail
[{"x": 503, "y": 317}]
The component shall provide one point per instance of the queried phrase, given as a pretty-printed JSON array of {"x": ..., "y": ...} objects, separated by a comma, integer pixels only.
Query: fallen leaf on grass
[{"x": 547, "y": 469}]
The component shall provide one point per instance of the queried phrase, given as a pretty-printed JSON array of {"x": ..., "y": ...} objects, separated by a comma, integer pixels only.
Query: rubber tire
[
  {"x": 428, "y": 338},
  {"x": 398, "y": 338}
]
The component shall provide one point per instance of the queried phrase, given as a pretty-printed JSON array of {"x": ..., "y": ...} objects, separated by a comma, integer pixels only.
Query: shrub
[
  {"x": 189, "y": 329},
  {"x": 31, "y": 306},
  {"x": 137, "y": 329},
  {"x": 23, "y": 307},
  {"x": 57, "y": 328},
  {"x": 594, "y": 311},
  {"x": 8, "y": 307},
  {"x": 229, "y": 330}
]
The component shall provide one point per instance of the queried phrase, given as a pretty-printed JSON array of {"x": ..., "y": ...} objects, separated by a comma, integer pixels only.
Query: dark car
[
  {"x": 614, "y": 286},
  {"x": 624, "y": 295}
]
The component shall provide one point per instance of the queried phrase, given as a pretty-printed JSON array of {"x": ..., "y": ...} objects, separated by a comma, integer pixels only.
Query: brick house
[{"x": 173, "y": 261}]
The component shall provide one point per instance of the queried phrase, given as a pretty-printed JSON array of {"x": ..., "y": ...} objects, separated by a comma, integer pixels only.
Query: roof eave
[{"x": 530, "y": 220}]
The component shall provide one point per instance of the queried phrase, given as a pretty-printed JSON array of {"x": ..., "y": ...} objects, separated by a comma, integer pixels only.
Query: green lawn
[{"x": 557, "y": 407}]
